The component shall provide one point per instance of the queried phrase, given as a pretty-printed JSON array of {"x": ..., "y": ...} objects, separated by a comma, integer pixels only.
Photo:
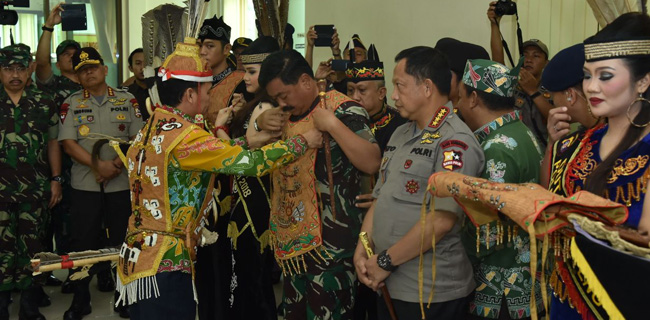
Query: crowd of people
[{"x": 257, "y": 165}]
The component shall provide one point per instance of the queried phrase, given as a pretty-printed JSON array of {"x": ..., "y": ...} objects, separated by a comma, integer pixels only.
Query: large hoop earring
[{"x": 627, "y": 113}]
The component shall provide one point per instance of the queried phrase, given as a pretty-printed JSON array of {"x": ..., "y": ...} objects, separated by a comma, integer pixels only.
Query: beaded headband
[
  {"x": 254, "y": 58},
  {"x": 616, "y": 49}
]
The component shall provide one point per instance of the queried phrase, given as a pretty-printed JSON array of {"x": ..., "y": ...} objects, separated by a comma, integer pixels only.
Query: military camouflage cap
[
  {"x": 491, "y": 77},
  {"x": 16, "y": 54},
  {"x": 65, "y": 44}
]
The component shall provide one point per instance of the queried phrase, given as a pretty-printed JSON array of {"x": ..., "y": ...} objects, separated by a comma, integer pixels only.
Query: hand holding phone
[
  {"x": 324, "y": 35},
  {"x": 73, "y": 17}
]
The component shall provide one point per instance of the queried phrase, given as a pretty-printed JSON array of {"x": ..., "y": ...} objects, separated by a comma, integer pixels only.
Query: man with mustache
[
  {"x": 95, "y": 112},
  {"x": 29, "y": 157}
]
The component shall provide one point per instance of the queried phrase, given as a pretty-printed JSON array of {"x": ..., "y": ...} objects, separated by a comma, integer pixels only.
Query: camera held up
[{"x": 505, "y": 8}]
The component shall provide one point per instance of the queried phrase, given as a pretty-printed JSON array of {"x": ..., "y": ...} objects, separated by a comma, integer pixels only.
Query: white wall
[{"x": 396, "y": 25}]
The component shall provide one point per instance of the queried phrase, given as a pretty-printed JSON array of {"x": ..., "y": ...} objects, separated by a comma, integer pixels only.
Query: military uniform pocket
[
  {"x": 414, "y": 176},
  {"x": 120, "y": 121}
]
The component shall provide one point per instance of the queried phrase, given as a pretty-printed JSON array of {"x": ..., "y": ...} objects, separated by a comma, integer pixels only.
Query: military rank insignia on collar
[{"x": 439, "y": 118}]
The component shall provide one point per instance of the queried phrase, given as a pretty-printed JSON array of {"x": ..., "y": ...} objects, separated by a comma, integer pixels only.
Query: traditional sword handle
[{"x": 363, "y": 237}]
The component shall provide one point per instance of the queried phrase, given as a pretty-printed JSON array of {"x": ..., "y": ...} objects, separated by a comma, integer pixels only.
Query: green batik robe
[{"x": 512, "y": 155}]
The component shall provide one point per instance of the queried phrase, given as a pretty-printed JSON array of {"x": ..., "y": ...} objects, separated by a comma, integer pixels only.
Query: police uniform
[
  {"x": 99, "y": 214},
  {"x": 412, "y": 155},
  {"x": 83, "y": 118}
]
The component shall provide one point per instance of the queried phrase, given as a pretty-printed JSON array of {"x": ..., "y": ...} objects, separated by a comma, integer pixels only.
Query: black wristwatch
[
  {"x": 44, "y": 28},
  {"x": 535, "y": 95},
  {"x": 58, "y": 179},
  {"x": 384, "y": 262}
]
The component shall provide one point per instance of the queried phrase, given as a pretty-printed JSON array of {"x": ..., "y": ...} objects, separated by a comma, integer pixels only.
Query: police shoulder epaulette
[{"x": 439, "y": 118}]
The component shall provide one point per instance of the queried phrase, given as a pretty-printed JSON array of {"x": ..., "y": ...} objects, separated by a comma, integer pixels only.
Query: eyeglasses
[{"x": 10, "y": 69}]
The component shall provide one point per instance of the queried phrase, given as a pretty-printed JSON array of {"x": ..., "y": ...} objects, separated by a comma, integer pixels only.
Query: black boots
[
  {"x": 5, "y": 298},
  {"x": 122, "y": 309},
  {"x": 105, "y": 282},
  {"x": 80, "y": 302},
  {"x": 29, "y": 301}
]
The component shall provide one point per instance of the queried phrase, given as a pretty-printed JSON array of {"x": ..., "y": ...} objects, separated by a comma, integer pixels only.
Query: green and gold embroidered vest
[{"x": 152, "y": 231}]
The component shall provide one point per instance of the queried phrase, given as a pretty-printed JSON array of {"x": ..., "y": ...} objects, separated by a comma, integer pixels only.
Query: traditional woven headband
[
  {"x": 365, "y": 73},
  {"x": 254, "y": 58},
  {"x": 616, "y": 49}
]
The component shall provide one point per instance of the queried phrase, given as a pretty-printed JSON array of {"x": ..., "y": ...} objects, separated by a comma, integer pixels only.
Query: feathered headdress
[
  {"x": 162, "y": 28},
  {"x": 607, "y": 11},
  {"x": 272, "y": 16},
  {"x": 185, "y": 62}
]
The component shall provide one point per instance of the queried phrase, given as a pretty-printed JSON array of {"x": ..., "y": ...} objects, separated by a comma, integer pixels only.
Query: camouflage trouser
[
  {"x": 325, "y": 292},
  {"x": 19, "y": 241}
]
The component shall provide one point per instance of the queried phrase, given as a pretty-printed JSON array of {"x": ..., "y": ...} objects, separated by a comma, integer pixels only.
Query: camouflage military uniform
[
  {"x": 326, "y": 291},
  {"x": 60, "y": 88},
  {"x": 25, "y": 129}
]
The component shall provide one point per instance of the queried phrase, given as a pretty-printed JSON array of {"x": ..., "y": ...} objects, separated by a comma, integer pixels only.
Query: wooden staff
[
  {"x": 322, "y": 91},
  {"x": 363, "y": 237}
]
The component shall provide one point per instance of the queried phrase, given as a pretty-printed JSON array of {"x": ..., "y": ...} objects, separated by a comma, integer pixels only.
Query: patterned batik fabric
[
  {"x": 25, "y": 130},
  {"x": 340, "y": 236},
  {"x": 491, "y": 77},
  {"x": 502, "y": 270},
  {"x": 19, "y": 242},
  {"x": 626, "y": 184}
]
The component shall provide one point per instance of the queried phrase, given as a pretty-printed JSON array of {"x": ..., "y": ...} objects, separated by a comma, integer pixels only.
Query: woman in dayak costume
[
  {"x": 609, "y": 160},
  {"x": 251, "y": 284},
  {"x": 172, "y": 165}
]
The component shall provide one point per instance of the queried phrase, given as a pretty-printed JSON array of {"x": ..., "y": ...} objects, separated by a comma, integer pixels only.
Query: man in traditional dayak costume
[
  {"x": 172, "y": 165},
  {"x": 314, "y": 222},
  {"x": 512, "y": 154},
  {"x": 215, "y": 48}
]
